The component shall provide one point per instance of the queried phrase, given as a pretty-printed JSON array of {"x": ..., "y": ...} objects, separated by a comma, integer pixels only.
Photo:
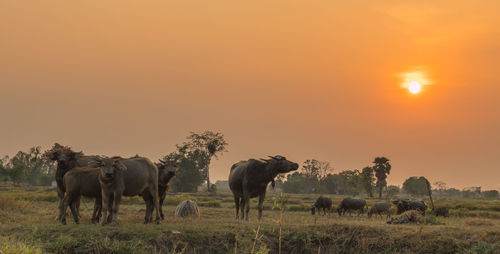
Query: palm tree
[{"x": 382, "y": 168}]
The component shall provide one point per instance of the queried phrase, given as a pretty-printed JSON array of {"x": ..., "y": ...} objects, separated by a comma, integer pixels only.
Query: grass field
[{"x": 27, "y": 225}]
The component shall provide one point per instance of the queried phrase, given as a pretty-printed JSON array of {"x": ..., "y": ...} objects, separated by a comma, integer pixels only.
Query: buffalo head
[
  {"x": 167, "y": 170},
  {"x": 281, "y": 164},
  {"x": 63, "y": 155},
  {"x": 109, "y": 167},
  {"x": 313, "y": 210}
]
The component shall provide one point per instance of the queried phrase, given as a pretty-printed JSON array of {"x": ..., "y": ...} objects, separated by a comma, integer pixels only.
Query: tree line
[
  {"x": 199, "y": 149},
  {"x": 316, "y": 177},
  {"x": 194, "y": 155}
]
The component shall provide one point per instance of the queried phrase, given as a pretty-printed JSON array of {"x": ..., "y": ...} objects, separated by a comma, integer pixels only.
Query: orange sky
[{"x": 305, "y": 79}]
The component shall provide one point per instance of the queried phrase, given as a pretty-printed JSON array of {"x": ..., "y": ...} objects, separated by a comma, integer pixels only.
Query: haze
[{"x": 304, "y": 79}]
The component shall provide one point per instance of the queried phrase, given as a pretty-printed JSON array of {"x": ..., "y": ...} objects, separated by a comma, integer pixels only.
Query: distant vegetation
[
  {"x": 195, "y": 154},
  {"x": 29, "y": 167}
]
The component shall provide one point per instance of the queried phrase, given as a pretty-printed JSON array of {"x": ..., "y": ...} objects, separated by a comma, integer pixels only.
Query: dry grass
[
  {"x": 26, "y": 220},
  {"x": 478, "y": 222}
]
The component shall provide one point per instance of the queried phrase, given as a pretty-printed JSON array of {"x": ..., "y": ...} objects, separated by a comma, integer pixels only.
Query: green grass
[{"x": 27, "y": 226}]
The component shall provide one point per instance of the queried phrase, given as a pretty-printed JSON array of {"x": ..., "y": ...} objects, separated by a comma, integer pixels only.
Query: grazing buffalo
[
  {"x": 127, "y": 177},
  {"x": 322, "y": 203},
  {"x": 249, "y": 179},
  {"x": 166, "y": 172},
  {"x": 442, "y": 211},
  {"x": 81, "y": 181},
  {"x": 406, "y": 205},
  {"x": 66, "y": 160},
  {"x": 350, "y": 204},
  {"x": 380, "y": 208}
]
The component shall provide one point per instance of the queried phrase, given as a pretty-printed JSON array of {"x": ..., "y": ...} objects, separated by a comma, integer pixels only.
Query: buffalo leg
[
  {"x": 242, "y": 207},
  {"x": 74, "y": 211},
  {"x": 247, "y": 207},
  {"x": 97, "y": 210},
  {"x": 154, "y": 194},
  {"x": 149, "y": 208},
  {"x": 161, "y": 200},
  {"x": 63, "y": 207},
  {"x": 76, "y": 200},
  {"x": 105, "y": 208},
  {"x": 115, "y": 208},
  {"x": 261, "y": 205},
  {"x": 60, "y": 194},
  {"x": 237, "y": 205}
]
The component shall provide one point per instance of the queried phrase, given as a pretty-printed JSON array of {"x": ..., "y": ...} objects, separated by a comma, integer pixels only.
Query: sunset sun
[
  {"x": 415, "y": 81},
  {"x": 414, "y": 87}
]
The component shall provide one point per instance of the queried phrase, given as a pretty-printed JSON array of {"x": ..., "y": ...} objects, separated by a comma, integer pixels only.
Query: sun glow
[
  {"x": 414, "y": 81},
  {"x": 414, "y": 87}
]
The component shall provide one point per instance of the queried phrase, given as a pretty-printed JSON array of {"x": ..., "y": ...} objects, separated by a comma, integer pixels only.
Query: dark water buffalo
[
  {"x": 81, "y": 181},
  {"x": 322, "y": 203},
  {"x": 406, "y": 205},
  {"x": 66, "y": 160},
  {"x": 127, "y": 177},
  {"x": 249, "y": 179},
  {"x": 442, "y": 211},
  {"x": 380, "y": 208},
  {"x": 166, "y": 172},
  {"x": 349, "y": 204}
]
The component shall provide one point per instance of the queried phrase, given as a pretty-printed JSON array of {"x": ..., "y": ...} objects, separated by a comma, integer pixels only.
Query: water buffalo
[
  {"x": 442, "y": 211},
  {"x": 406, "y": 205},
  {"x": 166, "y": 172},
  {"x": 322, "y": 203},
  {"x": 77, "y": 182},
  {"x": 127, "y": 177},
  {"x": 249, "y": 179},
  {"x": 66, "y": 160},
  {"x": 380, "y": 208},
  {"x": 349, "y": 204}
]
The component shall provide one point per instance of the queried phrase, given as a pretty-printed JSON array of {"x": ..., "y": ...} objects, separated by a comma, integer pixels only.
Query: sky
[{"x": 304, "y": 79}]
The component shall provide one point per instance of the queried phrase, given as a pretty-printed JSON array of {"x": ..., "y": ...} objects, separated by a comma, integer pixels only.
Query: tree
[
  {"x": 352, "y": 181},
  {"x": 415, "y": 186},
  {"x": 440, "y": 185},
  {"x": 392, "y": 190},
  {"x": 202, "y": 147},
  {"x": 335, "y": 184},
  {"x": 382, "y": 168},
  {"x": 316, "y": 171},
  {"x": 31, "y": 167},
  {"x": 315, "y": 168},
  {"x": 367, "y": 180},
  {"x": 490, "y": 194},
  {"x": 188, "y": 178}
]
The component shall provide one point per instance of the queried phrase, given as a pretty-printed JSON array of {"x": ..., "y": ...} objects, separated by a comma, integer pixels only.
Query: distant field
[{"x": 27, "y": 226}]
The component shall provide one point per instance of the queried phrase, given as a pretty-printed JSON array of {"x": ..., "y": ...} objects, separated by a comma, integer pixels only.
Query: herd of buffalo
[
  {"x": 381, "y": 208},
  {"x": 107, "y": 179}
]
